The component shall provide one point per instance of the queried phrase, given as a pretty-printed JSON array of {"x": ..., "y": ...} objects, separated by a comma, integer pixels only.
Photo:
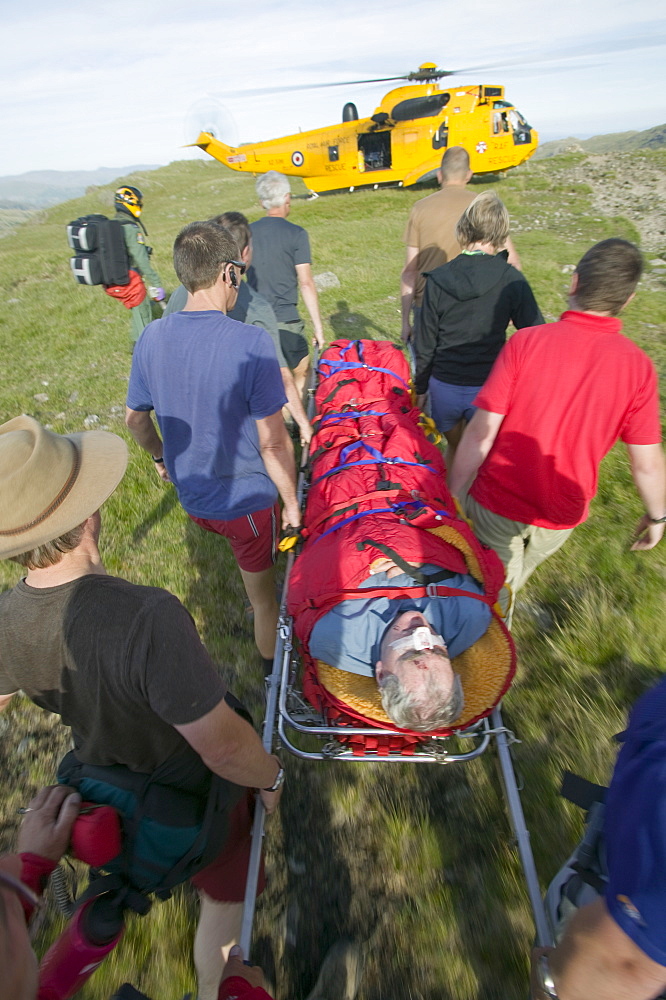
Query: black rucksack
[
  {"x": 100, "y": 252},
  {"x": 584, "y": 876},
  {"x": 169, "y": 832}
]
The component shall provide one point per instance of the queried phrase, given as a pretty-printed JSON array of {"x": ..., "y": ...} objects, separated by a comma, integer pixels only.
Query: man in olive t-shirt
[
  {"x": 121, "y": 664},
  {"x": 430, "y": 233}
]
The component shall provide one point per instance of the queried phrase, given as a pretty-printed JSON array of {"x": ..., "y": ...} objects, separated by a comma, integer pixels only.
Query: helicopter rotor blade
[
  {"x": 597, "y": 47},
  {"x": 263, "y": 91}
]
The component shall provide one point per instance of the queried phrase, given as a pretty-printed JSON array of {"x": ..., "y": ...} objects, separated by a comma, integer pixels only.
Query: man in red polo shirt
[{"x": 558, "y": 398}]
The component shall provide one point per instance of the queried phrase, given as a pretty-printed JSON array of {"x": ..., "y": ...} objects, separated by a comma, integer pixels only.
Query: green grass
[{"x": 415, "y": 862}]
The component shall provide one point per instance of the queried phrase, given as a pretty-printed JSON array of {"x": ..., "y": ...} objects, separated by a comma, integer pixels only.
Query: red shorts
[
  {"x": 253, "y": 537},
  {"x": 224, "y": 879}
]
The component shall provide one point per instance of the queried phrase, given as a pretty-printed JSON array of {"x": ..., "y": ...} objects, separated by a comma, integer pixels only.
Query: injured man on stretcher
[
  {"x": 382, "y": 596},
  {"x": 391, "y": 584},
  {"x": 407, "y": 643}
]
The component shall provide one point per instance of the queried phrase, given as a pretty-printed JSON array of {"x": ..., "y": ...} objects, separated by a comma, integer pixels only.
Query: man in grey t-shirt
[{"x": 281, "y": 266}]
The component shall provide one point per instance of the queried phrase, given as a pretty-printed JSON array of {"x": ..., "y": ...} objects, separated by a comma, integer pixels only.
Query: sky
[{"x": 108, "y": 82}]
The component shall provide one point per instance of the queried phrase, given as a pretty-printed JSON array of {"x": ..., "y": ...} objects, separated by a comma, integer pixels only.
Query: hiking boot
[{"x": 340, "y": 973}]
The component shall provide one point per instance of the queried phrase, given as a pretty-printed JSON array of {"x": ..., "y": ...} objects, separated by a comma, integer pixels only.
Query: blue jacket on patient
[{"x": 349, "y": 636}]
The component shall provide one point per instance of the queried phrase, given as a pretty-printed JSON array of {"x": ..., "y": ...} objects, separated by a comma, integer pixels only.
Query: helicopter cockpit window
[
  {"x": 522, "y": 132},
  {"x": 419, "y": 107}
]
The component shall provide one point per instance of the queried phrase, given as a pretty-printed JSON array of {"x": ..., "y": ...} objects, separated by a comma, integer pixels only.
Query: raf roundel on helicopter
[{"x": 401, "y": 143}]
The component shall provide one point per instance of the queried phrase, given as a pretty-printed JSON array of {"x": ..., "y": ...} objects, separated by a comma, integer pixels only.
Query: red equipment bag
[{"x": 131, "y": 294}]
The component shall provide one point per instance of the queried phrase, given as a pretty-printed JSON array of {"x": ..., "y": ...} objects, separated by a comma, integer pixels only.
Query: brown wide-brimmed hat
[{"x": 50, "y": 483}]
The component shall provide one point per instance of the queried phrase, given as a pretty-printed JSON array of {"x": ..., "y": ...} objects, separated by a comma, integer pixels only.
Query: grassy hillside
[
  {"x": 41, "y": 188},
  {"x": 614, "y": 142},
  {"x": 416, "y": 863}
]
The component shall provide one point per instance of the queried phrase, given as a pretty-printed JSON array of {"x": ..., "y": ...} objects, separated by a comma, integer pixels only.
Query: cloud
[{"x": 113, "y": 81}]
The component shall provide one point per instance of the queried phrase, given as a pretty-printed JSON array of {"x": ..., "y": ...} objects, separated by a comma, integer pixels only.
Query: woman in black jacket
[{"x": 467, "y": 305}]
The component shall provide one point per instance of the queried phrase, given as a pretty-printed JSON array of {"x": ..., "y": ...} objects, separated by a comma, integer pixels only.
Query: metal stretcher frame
[{"x": 288, "y": 712}]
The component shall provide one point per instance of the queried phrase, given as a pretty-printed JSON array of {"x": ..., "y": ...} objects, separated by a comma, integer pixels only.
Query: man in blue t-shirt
[
  {"x": 216, "y": 390},
  {"x": 616, "y": 946},
  {"x": 254, "y": 310},
  {"x": 281, "y": 265}
]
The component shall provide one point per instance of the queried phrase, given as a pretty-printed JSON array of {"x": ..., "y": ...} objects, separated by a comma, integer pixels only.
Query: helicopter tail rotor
[{"x": 209, "y": 114}]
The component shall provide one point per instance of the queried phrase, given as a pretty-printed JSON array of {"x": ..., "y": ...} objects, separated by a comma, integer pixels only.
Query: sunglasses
[
  {"x": 26, "y": 895},
  {"x": 239, "y": 264}
]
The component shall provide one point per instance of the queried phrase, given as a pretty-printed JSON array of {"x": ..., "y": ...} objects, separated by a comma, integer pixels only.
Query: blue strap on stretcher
[
  {"x": 342, "y": 415},
  {"x": 336, "y": 365},
  {"x": 376, "y": 458},
  {"x": 396, "y": 508}
]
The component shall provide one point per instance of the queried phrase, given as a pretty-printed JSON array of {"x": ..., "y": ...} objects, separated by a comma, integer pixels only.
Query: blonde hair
[
  {"x": 485, "y": 220},
  {"x": 50, "y": 553}
]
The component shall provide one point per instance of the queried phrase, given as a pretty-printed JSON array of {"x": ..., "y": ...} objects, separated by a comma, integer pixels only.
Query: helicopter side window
[
  {"x": 500, "y": 123},
  {"x": 440, "y": 139},
  {"x": 333, "y": 154},
  {"x": 419, "y": 107},
  {"x": 375, "y": 150}
]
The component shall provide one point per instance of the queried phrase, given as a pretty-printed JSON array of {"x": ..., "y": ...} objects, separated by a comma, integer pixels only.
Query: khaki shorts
[{"x": 521, "y": 547}]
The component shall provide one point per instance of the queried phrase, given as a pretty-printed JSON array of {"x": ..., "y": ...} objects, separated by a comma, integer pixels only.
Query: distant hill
[
  {"x": 614, "y": 142},
  {"x": 43, "y": 188}
]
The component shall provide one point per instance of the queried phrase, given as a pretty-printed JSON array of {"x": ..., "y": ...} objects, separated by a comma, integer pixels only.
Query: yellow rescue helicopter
[{"x": 401, "y": 143}]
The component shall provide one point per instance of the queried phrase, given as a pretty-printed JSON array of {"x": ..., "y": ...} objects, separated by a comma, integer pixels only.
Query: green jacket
[{"x": 138, "y": 250}]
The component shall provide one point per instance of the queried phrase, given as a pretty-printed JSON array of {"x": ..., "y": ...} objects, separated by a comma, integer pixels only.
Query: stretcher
[
  {"x": 368, "y": 429},
  {"x": 357, "y": 391}
]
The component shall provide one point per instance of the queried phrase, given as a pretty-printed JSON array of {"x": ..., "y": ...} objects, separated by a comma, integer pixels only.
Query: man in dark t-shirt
[
  {"x": 281, "y": 265},
  {"x": 121, "y": 664}
]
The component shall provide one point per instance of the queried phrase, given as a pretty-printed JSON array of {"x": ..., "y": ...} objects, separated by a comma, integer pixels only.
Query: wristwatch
[
  {"x": 279, "y": 781},
  {"x": 657, "y": 520}
]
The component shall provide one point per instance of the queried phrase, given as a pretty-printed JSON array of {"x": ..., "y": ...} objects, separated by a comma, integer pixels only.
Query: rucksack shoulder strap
[{"x": 580, "y": 791}]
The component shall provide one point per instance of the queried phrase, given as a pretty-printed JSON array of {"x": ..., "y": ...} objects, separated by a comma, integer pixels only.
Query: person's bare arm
[
  {"x": 230, "y": 748},
  {"x": 278, "y": 455},
  {"x": 5, "y": 700},
  {"x": 311, "y": 299},
  {"x": 295, "y": 405},
  {"x": 648, "y": 470},
  {"x": 476, "y": 442},
  {"x": 142, "y": 428},
  {"x": 596, "y": 960},
  {"x": 407, "y": 286},
  {"x": 513, "y": 254}
]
